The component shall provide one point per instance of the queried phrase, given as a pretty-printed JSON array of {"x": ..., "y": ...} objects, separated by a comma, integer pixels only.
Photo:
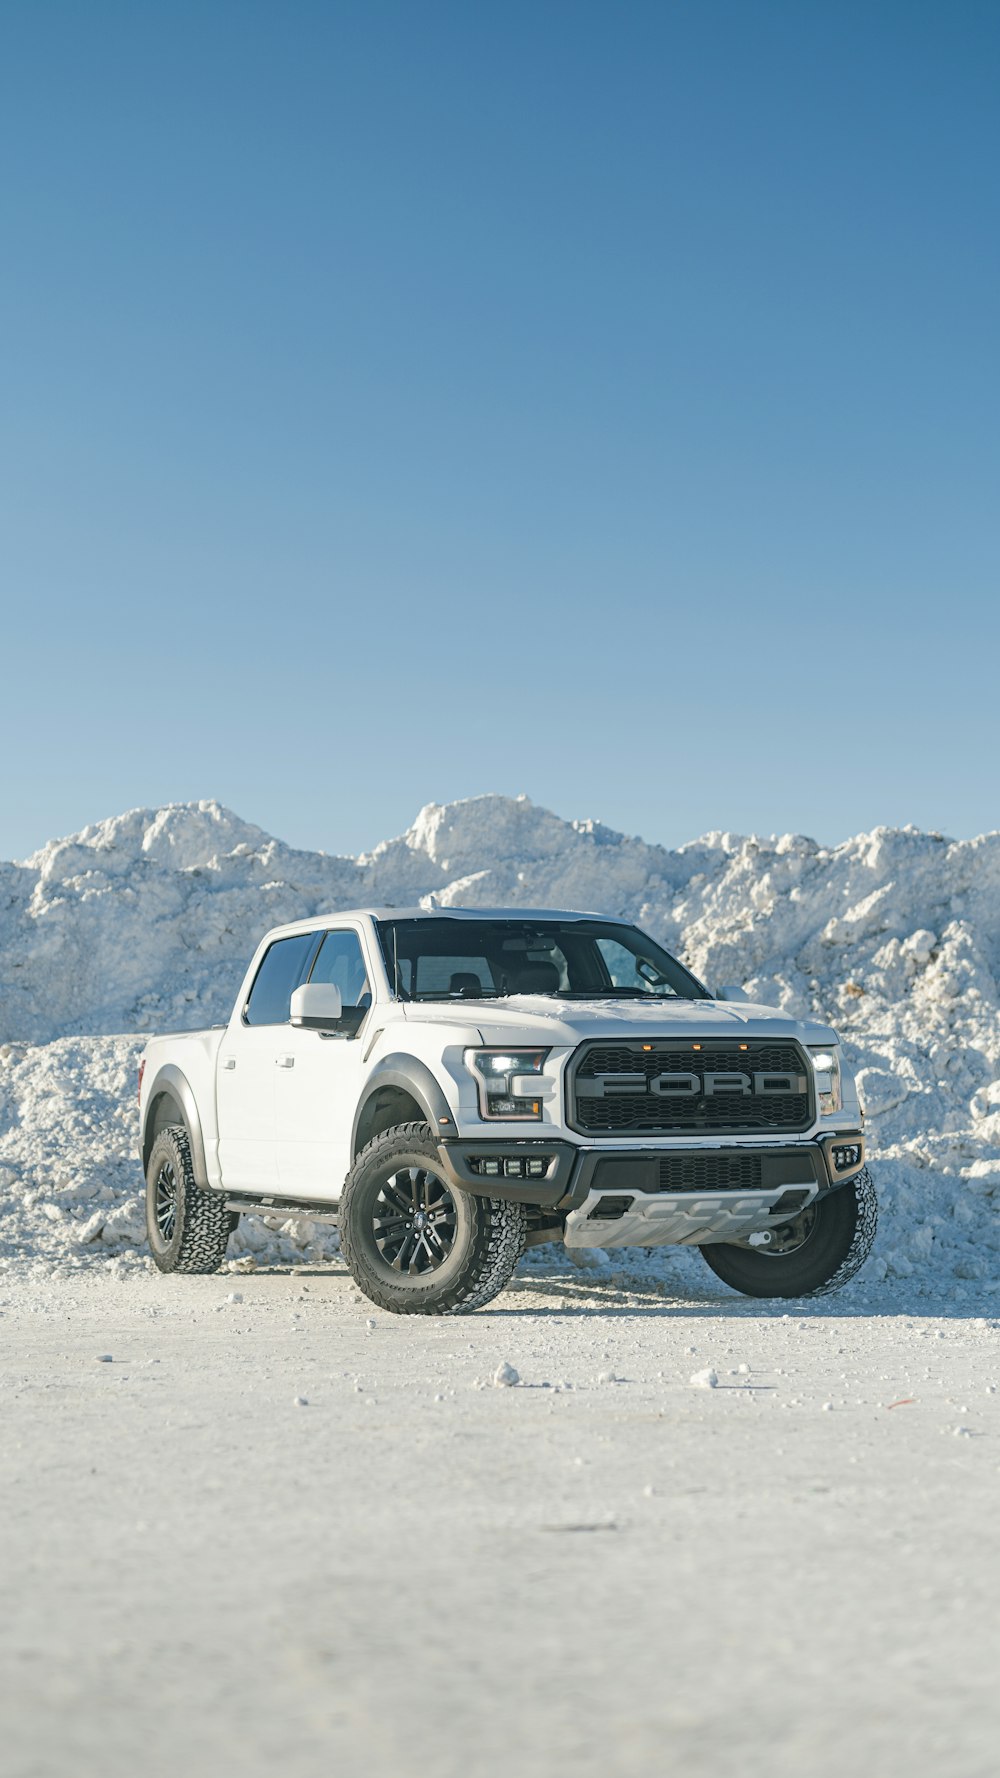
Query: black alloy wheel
[
  {"x": 165, "y": 1202},
  {"x": 788, "y": 1237},
  {"x": 414, "y": 1221}
]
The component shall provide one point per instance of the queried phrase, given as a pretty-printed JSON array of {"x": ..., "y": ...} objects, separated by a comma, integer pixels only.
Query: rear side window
[{"x": 283, "y": 968}]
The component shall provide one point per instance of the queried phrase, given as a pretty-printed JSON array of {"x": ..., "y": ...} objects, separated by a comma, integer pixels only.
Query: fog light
[
  {"x": 510, "y": 1166},
  {"x": 845, "y": 1155}
]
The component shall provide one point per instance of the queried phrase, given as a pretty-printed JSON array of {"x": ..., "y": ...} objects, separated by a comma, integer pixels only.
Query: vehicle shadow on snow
[
  {"x": 630, "y": 1297},
  {"x": 557, "y": 1292}
]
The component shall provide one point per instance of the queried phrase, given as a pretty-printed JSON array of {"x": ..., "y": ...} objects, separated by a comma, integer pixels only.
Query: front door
[{"x": 318, "y": 1081}]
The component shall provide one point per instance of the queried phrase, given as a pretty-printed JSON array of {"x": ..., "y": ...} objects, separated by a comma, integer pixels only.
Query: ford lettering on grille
[
  {"x": 667, "y": 1085},
  {"x": 671, "y": 1086}
]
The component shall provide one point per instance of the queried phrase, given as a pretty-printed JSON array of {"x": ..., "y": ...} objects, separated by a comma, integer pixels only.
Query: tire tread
[{"x": 206, "y": 1224}]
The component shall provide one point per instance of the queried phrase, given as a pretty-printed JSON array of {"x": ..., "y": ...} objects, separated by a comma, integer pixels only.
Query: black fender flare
[
  {"x": 171, "y": 1083},
  {"x": 413, "y": 1077}
]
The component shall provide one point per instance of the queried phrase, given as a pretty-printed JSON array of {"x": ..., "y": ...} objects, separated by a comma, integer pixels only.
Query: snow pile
[
  {"x": 147, "y": 921},
  {"x": 70, "y": 1184}
]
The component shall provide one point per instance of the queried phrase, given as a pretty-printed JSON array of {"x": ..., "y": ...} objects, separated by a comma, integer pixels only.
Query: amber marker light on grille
[
  {"x": 696, "y": 1046},
  {"x": 647, "y": 1046}
]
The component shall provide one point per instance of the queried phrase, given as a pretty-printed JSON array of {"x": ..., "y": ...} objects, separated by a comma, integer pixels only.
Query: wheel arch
[
  {"x": 172, "y": 1101},
  {"x": 399, "y": 1090}
]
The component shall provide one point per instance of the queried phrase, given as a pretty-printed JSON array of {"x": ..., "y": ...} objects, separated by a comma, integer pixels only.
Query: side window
[
  {"x": 620, "y": 964},
  {"x": 280, "y": 973},
  {"x": 623, "y": 967},
  {"x": 341, "y": 962}
]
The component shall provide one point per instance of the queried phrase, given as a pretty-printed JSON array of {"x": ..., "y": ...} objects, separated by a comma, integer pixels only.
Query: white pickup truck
[{"x": 449, "y": 1086}]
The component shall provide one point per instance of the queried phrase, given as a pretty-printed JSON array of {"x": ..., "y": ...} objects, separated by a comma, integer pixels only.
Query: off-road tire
[
  {"x": 489, "y": 1234},
  {"x": 837, "y": 1246},
  {"x": 202, "y": 1225}
]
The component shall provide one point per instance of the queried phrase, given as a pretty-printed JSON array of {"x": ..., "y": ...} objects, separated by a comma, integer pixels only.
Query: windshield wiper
[
  {"x": 610, "y": 994},
  {"x": 449, "y": 999}
]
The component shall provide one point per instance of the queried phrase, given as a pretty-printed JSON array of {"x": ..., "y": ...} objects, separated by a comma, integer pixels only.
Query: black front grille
[
  {"x": 710, "y": 1173},
  {"x": 673, "y": 1087},
  {"x": 705, "y": 1170}
]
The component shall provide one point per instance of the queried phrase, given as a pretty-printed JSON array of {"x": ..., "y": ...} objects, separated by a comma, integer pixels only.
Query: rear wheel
[
  {"x": 415, "y": 1246},
  {"x": 812, "y": 1254},
  {"x": 188, "y": 1228}
]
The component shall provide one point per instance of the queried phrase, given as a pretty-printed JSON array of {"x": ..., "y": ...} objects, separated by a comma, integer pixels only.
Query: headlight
[
  {"x": 505, "y": 1081},
  {"x": 826, "y": 1063}
]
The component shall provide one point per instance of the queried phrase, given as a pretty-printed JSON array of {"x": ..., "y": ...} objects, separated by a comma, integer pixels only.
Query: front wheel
[
  {"x": 415, "y": 1246},
  {"x": 814, "y": 1253}
]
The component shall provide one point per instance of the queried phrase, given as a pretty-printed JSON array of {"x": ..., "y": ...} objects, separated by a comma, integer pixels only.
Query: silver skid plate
[{"x": 692, "y": 1219}]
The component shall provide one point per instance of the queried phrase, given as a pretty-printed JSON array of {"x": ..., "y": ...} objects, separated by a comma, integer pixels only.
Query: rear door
[
  {"x": 319, "y": 1078},
  {"x": 249, "y": 1063}
]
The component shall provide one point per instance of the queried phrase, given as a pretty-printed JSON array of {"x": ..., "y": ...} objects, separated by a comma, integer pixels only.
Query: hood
[{"x": 569, "y": 1022}]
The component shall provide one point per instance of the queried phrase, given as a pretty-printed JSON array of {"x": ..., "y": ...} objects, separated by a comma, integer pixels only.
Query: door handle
[
  {"x": 229, "y": 1061},
  {"x": 285, "y": 1061}
]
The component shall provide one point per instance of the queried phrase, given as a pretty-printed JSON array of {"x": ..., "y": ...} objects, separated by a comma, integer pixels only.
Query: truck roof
[{"x": 391, "y": 913}]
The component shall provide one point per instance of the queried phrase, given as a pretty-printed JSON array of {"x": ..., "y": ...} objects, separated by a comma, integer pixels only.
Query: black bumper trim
[
  {"x": 843, "y": 1139},
  {"x": 546, "y": 1192}
]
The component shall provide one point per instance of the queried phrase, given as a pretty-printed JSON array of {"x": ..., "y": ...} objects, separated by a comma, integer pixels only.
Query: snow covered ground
[{"x": 250, "y": 1524}]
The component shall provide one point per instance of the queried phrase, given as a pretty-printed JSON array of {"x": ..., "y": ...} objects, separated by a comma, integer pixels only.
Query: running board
[{"x": 250, "y": 1206}]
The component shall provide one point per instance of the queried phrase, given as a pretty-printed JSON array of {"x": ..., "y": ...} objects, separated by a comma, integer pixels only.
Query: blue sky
[{"x": 404, "y": 401}]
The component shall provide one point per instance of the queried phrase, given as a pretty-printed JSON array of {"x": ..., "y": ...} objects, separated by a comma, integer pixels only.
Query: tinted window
[
  {"x": 443, "y": 958},
  {"x": 453, "y": 975},
  {"x": 341, "y": 962},
  {"x": 284, "y": 967}
]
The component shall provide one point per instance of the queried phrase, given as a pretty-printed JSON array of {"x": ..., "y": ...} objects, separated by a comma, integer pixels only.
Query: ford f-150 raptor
[{"x": 449, "y": 1086}]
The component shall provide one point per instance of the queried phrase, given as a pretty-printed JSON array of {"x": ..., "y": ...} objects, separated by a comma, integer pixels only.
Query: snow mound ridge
[{"x": 147, "y": 920}]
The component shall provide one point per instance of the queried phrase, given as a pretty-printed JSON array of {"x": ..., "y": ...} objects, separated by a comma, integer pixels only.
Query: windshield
[{"x": 491, "y": 959}]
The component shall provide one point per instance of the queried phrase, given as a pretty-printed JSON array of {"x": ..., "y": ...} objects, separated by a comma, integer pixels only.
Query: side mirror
[
  {"x": 317, "y": 1006},
  {"x": 731, "y": 991}
]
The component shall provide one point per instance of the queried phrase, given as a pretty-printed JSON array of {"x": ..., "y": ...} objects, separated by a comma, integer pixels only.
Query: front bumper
[{"x": 558, "y": 1175}]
